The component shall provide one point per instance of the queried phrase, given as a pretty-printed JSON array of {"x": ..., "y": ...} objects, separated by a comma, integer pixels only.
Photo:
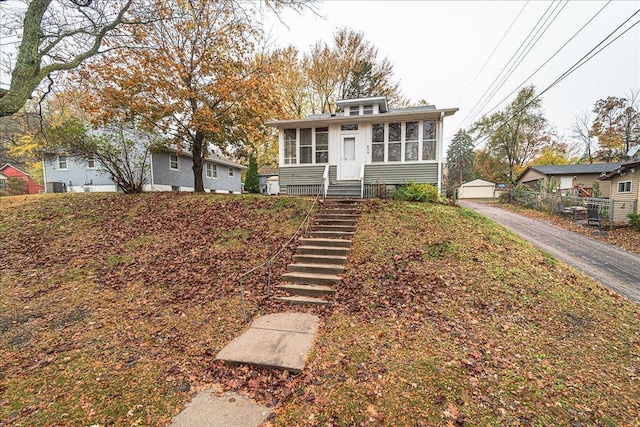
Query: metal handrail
[
  {"x": 325, "y": 180},
  {"x": 268, "y": 263},
  {"x": 362, "y": 181}
]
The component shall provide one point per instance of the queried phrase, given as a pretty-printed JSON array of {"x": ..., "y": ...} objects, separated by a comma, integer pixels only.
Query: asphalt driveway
[{"x": 615, "y": 268}]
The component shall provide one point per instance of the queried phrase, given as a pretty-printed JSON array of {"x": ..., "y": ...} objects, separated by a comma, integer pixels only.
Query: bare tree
[
  {"x": 581, "y": 131},
  {"x": 631, "y": 120}
]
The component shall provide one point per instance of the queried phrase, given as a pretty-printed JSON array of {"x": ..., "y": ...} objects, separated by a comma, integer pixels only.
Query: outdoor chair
[
  {"x": 562, "y": 209},
  {"x": 593, "y": 215}
]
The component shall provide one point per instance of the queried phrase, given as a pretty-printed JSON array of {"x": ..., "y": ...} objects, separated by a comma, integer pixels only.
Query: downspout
[
  {"x": 44, "y": 174},
  {"x": 151, "y": 171},
  {"x": 440, "y": 148}
]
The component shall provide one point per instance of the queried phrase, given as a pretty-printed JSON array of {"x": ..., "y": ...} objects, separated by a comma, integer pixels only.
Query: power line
[
  {"x": 585, "y": 58},
  {"x": 550, "y": 58},
  {"x": 516, "y": 59},
  {"x": 493, "y": 52}
]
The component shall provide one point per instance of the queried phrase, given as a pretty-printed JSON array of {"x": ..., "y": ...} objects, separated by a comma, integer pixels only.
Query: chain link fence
[{"x": 594, "y": 211}]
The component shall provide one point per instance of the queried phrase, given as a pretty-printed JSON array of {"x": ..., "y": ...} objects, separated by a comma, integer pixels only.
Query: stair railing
[
  {"x": 325, "y": 180},
  {"x": 362, "y": 181},
  {"x": 269, "y": 263}
]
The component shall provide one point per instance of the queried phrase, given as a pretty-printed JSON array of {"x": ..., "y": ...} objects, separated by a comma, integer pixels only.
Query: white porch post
[{"x": 440, "y": 149}]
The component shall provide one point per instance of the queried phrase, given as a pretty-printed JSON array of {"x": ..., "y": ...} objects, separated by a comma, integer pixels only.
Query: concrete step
[
  {"x": 315, "y": 268},
  {"x": 332, "y": 227},
  {"x": 334, "y": 243},
  {"x": 302, "y": 300},
  {"x": 354, "y": 201},
  {"x": 352, "y": 217},
  {"x": 323, "y": 250},
  {"x": 339, "y": 211},
  {"x": 307, "y": 290},
  {"x": 320, "y": 259},
  {"x": 324, "y": 221},
  {"x": 310, "y": 278},
  {"x": 334, "y": 234}
]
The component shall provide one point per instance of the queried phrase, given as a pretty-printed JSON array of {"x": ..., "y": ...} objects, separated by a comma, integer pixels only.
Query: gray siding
[
  {"x": 401, "y": 172},
  {"x": 183, "y": 177},
  {"x": 76, "y": 173},
  {"x": 301, "y": 175}
]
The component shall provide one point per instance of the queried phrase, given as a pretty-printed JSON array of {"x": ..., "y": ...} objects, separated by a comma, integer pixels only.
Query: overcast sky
[{"x": 438, "y": 48}]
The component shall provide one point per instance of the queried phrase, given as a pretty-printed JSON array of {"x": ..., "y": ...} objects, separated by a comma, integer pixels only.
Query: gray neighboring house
[
  {"x": 570, "y": 177},
  {"x": 364, "y": 145},
  {"x": 170, "y": 170}
]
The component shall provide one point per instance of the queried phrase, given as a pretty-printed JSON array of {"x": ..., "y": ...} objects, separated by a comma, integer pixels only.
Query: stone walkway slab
[
  {"x": 230, "y": 410},
  {"x": 279, "y": 341}
]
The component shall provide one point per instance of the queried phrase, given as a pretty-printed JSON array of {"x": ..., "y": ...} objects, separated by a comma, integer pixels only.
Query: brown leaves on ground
[{"x": 110, "y": 315}]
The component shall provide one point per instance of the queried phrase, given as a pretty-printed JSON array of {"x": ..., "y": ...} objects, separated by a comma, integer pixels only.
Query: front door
[{"x": 349, "y": 165}]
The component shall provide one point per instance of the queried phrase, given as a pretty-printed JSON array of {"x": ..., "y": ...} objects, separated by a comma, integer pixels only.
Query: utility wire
[
  {"x": 538, "y": 35},
  {"x": 493, "y": 52},
  {"x": 550, "y": 58},
  {"x": 586, "y": 58},
  {"x": 529, "y": 43}
]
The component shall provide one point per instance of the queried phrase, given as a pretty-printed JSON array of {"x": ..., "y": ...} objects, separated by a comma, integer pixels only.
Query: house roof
[
  {"x": 588, "y": 168},
  {"x": 403, "y": 114},
  {"x": 380, "y": 100},
  {"x": 13, "y": 167},
  {"x": 478, "y": 183},
  {"x": 623, "y": 169}
]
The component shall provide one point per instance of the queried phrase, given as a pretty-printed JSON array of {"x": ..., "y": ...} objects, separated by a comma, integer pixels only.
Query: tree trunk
[{"x": 198, "y": 149}]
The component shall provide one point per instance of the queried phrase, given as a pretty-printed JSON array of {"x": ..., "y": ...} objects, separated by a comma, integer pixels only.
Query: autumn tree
[
  {"x": 631, "y": 120},
  {"x": 516, "y": 134},
  {"x": 348, "y": 67},
  {"x": 56, "y": 35},
  {"x": 460, "y": 158},
  {"x": 195, "y": 76},
  {"x": 488, "y": 167},
  {"x": 607, "y": 126}
]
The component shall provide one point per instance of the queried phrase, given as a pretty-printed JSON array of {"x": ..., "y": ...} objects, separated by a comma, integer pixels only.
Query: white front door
[{"x": 349, "y": 164}]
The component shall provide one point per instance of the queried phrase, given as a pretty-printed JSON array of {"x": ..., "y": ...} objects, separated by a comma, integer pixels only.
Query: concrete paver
[
  {"x": 276, "y": 341},
  {"x": 230, "y": 410}
]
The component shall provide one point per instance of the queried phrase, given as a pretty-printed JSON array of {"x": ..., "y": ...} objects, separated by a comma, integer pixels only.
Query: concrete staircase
[
  {"x": 344, "y": 189},
  {"x": 321, "y": 257}
]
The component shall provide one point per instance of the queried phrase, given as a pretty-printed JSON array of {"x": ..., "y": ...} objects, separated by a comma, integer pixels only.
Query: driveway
[{"x": 615, "y": 268}]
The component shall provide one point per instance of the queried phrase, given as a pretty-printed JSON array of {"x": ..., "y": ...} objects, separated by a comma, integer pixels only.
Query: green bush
[
  {"x": 634, "y": 220},
  {"x": 414, "y": 192}
]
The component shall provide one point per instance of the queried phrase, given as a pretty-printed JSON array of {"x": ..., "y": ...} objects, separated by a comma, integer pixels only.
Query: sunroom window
[
  {"x": 429, "y": 140},
  {"x": 305, "y": 146},
  {"x": 377, "y": 142},
  {"x": 411, "y": 141},
  {"x": 395, "y": 142},
  {"x": 322, "y": 145},
  {"x": 290, "y": 157}
]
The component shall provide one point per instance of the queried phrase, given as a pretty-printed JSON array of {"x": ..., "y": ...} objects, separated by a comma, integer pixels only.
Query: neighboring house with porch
[
  {"x": 27, "y": 184},
  {"x": 625, "y": 183},
  {"x": 366, "y": 144},
  {"x": 570, "y": 178},
  {"x": 169, "y": 170}
]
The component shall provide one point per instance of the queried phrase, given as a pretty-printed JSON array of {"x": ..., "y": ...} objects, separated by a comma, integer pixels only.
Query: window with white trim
[
  {"x": 91, "y": 162},
  {"x": 3, "y": 184},
  {"x": 63, "y": 164},
  {"x": 212, "y": 170},
  {"x": 322, "y": 145},
  {"x": 411, "y": 141},
  {"x": 395, "y": 142},
  {"x": 624, "y": 187},
  {"x": 377, "y": 142},
  {"x": 429, "y": 140},
  {"x": 231, "y": 172},
  {"x": 173, "y": 162},
  {"x": 306, "y": 147},
  {"x": 367, "y": 110},
  {"x": 354, "y": 111},
  {"x": 290, "y": 157}
]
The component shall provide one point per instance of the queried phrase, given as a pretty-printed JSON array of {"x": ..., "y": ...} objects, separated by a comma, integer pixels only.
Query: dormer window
[
  {"x": 367, "y": 110},
  {"x": 354, "y": 111}
]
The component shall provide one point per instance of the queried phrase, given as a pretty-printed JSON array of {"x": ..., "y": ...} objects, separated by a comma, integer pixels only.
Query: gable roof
[
  {"x": 478, "y": 183},
  {"x": 210, "y": 158},
  {"x": 586, "y": 168},
  {"x": 7, "y": 165},
  {"x": 623, "y": 169}
]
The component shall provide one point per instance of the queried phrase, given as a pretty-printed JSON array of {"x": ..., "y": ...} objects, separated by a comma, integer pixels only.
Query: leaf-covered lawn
[
  {"x": 109, "y": 315},
  {"x": 113, "y": 306}
]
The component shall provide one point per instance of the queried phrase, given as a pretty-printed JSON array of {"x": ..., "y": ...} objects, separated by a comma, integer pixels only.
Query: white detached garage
[{"x": 477, "y": 189}]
